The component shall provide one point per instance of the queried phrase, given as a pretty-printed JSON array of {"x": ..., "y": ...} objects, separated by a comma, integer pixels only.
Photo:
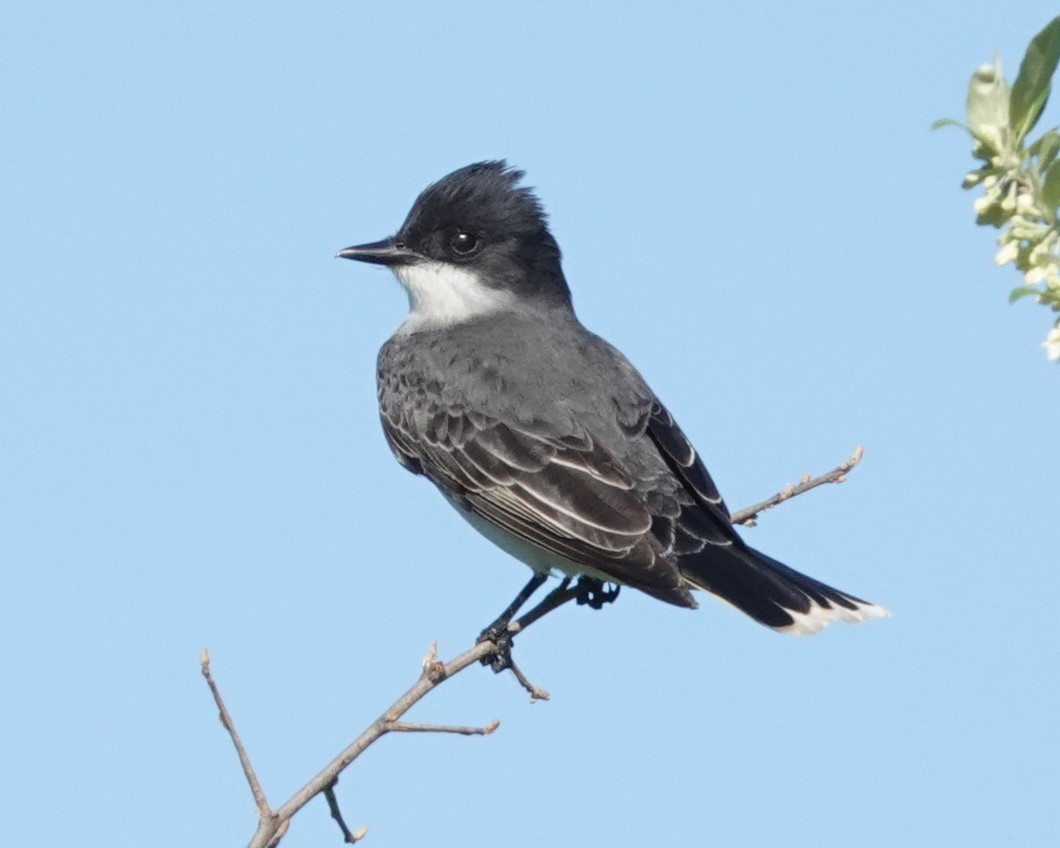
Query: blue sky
[{"x": 751, "y": 206}]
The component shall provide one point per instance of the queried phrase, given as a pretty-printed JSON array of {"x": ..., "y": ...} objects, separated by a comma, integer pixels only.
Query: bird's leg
[
  {"x": 498, "y": 633},
  {"x": 594, "y": 593}
]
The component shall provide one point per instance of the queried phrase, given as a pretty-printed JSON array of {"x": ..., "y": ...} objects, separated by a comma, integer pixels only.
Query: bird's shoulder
[{"x": 521, "y": 370}]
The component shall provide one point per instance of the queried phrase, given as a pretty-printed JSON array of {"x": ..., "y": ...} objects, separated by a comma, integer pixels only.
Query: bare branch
[
  {"x": 838, "y": 474},
  {"x": 226, "y": 720},
  {"x": 273, "y": 824},
  {"x": 412, "y": 727},
  {"x": 434, "y": 674}
]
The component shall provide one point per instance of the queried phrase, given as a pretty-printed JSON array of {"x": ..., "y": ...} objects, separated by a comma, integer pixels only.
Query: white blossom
[{"x": 1052, "y": 344}]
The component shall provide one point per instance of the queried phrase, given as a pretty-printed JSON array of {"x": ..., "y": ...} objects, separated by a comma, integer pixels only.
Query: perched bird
[{"x": 540, "y": 433}]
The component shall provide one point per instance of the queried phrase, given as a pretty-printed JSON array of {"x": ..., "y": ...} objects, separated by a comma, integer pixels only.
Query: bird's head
[{"x": 473, "y": 242}]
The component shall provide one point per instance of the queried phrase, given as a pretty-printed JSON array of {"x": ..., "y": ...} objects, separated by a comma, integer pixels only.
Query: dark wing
[
  {"x": 683, "y": 460},
  {"x": 700, "y": 518},
  {"x": 565, "y": 494}
]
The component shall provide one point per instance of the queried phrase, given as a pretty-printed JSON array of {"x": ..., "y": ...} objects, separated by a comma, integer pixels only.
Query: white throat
[{"x": 441, "y": 295}]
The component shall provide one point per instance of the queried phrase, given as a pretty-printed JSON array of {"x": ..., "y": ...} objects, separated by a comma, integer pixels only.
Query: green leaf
[
  {"x": 946, "y": 122},
  {"x": 1051, "y": 186},
  {"x": 1031, "y": 89},
  {"x": 1022, "y": 291},
  {"x": 992, "y": 215},
  {"x": 1045, "y": 149},
  {"x": 1050, "y": 296}
]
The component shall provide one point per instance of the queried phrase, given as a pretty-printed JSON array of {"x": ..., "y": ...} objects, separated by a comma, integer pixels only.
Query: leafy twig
[{"x": 1021, "y": 181}]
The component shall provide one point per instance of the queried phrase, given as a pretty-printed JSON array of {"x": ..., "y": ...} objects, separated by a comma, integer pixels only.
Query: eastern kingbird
[{"x": 540, "y": 433}]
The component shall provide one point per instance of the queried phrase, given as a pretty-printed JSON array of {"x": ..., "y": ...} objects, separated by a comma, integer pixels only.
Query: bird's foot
[
  {"x": 501, "y": 658},
  {"x": 499, "y": 635},
  {"x": 595, "y": 593}
]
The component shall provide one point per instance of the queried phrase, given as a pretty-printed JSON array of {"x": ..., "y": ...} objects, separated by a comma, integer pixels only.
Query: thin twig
[
  {"x": 413, "y": 727},
  {"x": 838, "y": 474},
  {"x": 536, "y": 694},
  {"x": 348, "y": 836},
  {"x": 226, "y": 720},
  {"x": 336, "y": 813}
]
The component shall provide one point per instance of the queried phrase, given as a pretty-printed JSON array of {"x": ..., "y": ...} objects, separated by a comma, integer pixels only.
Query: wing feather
[
  {"x": 566, "y": 495},
  {"x": 683, "y": 460}
]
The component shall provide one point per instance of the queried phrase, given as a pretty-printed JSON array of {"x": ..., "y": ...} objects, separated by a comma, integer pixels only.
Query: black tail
[{"x": 770, "y": 592}]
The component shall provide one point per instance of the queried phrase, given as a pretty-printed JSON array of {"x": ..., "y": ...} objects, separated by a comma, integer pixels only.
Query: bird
[{"x": 544, "y": 436}]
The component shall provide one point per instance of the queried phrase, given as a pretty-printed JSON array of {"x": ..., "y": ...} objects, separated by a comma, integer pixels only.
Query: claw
[
  {"x": 595, "y": 593},
  {"x": 501, "y": 659}
]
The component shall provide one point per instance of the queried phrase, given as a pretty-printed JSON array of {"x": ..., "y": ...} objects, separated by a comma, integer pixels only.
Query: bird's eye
[{"x": 462, "y": 243}]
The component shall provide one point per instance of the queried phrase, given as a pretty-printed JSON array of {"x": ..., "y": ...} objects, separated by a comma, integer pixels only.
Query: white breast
[{"x": 537, "y": 558}]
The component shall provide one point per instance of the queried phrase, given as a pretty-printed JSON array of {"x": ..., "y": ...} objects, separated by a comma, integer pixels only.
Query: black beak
[{"x": 386, "y": 252}]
